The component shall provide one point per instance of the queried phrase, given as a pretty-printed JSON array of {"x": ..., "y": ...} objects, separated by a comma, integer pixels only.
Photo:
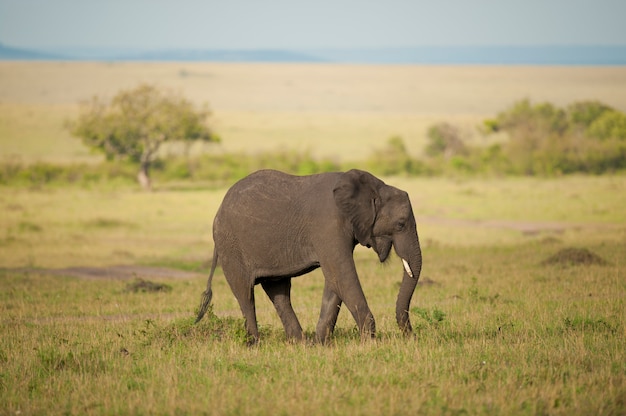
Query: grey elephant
[{"x": 272, "y": 227}]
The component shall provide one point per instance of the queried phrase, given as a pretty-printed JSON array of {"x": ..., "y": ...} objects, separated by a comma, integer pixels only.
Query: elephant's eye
[{"x": 400, "y": 225}]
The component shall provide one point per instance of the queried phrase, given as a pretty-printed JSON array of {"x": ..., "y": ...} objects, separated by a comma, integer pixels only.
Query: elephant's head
[{"x": 381, "y": 216}]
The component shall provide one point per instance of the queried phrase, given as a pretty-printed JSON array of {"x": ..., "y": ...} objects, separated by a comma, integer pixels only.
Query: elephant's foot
[
  {"x": 322, "y": 339},
  {"x": 252, "y": 341},
  {"x": 368, "y": 330}
]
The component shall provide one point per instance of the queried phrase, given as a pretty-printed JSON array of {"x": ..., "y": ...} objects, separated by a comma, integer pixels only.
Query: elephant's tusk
[{"x": 407, "y": 268}]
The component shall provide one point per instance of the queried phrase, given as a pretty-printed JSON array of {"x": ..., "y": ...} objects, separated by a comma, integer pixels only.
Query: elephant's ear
[{"x": 356, "y": 195}]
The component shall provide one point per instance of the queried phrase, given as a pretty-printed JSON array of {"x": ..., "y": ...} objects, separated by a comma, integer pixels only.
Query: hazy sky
[{"x": 210, "y": 24}]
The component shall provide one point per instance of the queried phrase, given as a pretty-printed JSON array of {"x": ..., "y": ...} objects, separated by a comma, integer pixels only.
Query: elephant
[{"x": 273, "y": 226}]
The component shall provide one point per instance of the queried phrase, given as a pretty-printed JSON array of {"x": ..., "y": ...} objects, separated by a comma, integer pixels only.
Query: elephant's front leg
[
  {"x": 279, "y": 292},
  {"x": 342, "y": 278},
  {"x": 331, "y": 304}
]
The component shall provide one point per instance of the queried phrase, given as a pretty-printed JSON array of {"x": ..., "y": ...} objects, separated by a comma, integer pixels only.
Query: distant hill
[
  {"x": 485, "y": 55},
  {"x": 17, "y": 54},
  {"x": 184, "y": 55},
  {"x": 211, "y": 55},
  {"x": 436, "y": 55}
]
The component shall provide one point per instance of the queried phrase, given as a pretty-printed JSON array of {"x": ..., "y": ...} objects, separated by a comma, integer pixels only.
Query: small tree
[{"x": 137, "y": 122}]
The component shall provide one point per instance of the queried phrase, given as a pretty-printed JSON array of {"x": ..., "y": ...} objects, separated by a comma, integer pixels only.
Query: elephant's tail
[{"x": 208, "y": 293}]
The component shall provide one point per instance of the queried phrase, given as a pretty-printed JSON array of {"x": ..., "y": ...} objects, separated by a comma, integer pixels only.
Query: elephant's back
[
  {"x": 268, "y": 200},
  {"x": 272, "y": 188}
]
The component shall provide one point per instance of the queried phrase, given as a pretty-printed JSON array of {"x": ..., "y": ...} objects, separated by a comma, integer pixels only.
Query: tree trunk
[{"x": 143, "y": 176}]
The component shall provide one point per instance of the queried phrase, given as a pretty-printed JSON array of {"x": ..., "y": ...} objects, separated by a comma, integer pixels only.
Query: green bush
[
  {"x": 445, "y": 140},
  {"x": 582, "y": 114},
  {"x": 394, "y": 159},
  {"x": 48, "y": 174},
  {"x": 609, "y": 125},
  {"x": 526, "y": 119},
  {"x": 231, "y": 167},
  {"x": 587, "y": 136}
]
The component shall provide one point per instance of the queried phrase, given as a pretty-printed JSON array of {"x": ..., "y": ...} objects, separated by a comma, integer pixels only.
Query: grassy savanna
[
  {"x": 497, "y": 329},
  {"x": 340, "y": 111},
  {"x": 63, "y": 227}
]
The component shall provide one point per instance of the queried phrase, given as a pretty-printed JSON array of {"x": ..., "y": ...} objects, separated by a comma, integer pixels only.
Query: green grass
[
  {"x": 497, "y": 331},
  {"x": 540, "y": 340}
]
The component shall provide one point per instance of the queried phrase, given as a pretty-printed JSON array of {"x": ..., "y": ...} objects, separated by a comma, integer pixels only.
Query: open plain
[
  {"x": 340, "y": 111},
  {"x": 520, "y": 307}
]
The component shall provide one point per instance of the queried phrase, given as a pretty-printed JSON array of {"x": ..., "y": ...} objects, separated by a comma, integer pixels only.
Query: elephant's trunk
[{"x": 412, "y": 269}]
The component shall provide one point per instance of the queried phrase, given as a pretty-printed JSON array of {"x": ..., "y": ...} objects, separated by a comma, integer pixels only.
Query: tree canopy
[{"x": 136, "y": 122}]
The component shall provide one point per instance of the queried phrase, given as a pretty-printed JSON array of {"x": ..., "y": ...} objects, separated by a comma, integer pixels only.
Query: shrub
[
  {"x": 231, "y": 167},
  {"x": 45, "y": 174},
  {"x": 609, "y": 125},
  {"x": 587, "y": 136},
  {"x": 445, "y": 140},
  {"x": 582, "y": 114},
  {"x": 525, "y": 119},
  {"x": 394, "y": 159}
]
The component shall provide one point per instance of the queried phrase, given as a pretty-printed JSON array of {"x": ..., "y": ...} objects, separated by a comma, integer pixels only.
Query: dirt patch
[
  {"x": 125, "y": 272},
  {"x": 147, "y": 286},
  {"x": 571, "y": 256}
]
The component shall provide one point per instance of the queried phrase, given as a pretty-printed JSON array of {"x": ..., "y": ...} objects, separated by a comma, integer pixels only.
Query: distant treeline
[{"x": 539, "y": 139}]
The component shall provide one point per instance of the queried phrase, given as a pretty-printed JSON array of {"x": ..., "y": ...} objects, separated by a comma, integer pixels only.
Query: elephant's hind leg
[
  {"x": 244, "y": 293},
  {"x": 331, "y": 304},
  {"x": 246, "y": 303},
  {"x": 279, "y": 292}
]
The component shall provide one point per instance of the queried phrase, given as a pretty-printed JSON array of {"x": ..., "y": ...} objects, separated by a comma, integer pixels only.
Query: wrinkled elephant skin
[{"x": 272, "y": 227}]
